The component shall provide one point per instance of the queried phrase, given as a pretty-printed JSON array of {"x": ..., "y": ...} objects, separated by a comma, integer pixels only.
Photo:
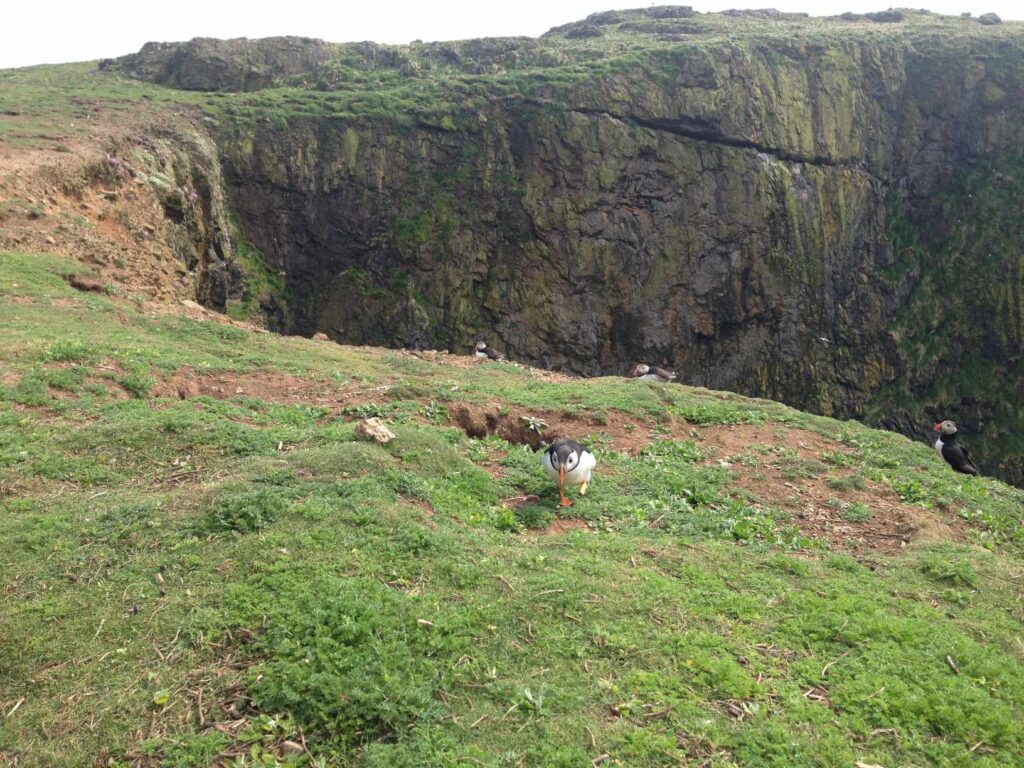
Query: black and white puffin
[
  {"x": 956, "y": 455},
  {"x": 647, "y": 373},
  {"x": 483, "y": 349},
  {"x": 568, "y": 463}
]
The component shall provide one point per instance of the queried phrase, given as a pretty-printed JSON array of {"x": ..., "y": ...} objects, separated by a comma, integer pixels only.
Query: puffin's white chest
[
  {"x": 938, "y": 446},
  {"x": 650, "y": 377},
  {"x": 577, "y": 475},
  {"x": 481, "y": 354}
]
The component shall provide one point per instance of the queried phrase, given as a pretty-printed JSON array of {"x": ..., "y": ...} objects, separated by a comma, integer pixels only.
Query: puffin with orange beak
[
  {"x": 568, "y": 463},
  {"x": 956, "y": 455}
]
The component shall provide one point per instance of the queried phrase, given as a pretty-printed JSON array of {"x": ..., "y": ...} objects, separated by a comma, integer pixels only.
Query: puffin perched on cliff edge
[
  {"x": 647, "y": 373},
  {"x": 483, "y": 349},
  {"x": 568, "y": 463},
  {"x": 956, "y": 455}
]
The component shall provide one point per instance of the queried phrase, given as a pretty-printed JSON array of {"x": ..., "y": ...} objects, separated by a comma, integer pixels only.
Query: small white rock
[{"x": 374, "y": 429}]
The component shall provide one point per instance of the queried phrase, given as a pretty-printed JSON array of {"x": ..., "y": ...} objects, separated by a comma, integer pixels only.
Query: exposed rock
[
  {"x": 989, "y": 19},
  {"x": 375, "y": 430},
  {"x": 86, "y": 283},
  {"x": 207, "y": 64},
  {"x": 320, "y": 336},
  {"x": 713, "y": 207}
]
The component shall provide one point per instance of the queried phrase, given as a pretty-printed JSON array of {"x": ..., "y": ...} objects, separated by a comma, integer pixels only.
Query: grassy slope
[
  {"x": 292, "y": 581},
  {"x": 304, "y": 592}
]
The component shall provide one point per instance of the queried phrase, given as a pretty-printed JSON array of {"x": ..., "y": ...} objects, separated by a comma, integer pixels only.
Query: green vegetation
[
  {"x": 47, "y": 105},
  {"x": 260, "y": 286},
  {"x": 201, "y": 563},
  {"x": 237, "y": 576},
  {"x": 947, "y": 353}
]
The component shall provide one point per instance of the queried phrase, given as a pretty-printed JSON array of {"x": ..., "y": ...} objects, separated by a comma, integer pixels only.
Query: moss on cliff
[{"x": 805, "y": 209}]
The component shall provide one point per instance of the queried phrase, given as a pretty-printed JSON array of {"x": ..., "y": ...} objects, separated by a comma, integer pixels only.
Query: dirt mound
[{"x": 536, "y": 428}]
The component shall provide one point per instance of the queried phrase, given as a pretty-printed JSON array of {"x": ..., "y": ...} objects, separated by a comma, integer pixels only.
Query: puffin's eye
[{"x": 571, "y": 461}]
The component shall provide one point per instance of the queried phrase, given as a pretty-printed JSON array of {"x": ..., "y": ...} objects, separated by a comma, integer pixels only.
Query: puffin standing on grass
[
  {"x": 483, "y": 349},
  {"x": 956, "y": 455},
  {"x": 568, "y": 463},
  {"x": 647, "y": 373}
]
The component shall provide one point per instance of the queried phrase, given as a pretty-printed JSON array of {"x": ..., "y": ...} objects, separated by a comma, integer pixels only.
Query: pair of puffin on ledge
[
  {"x": 485, "y": 350},
  {"x": 646, "y": 372},
  {"x": 956, "y": 455}
]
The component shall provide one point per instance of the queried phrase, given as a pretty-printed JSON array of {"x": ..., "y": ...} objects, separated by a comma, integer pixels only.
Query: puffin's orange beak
[
  {"x": 561, "y": 474},
  {"x": 938, "y": 427}
]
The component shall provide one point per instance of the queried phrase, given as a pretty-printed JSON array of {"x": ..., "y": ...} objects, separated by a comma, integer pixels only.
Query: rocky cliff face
[{"x": 823, "y": 212}]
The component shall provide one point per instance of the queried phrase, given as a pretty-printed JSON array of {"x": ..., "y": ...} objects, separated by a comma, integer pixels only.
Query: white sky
[{"x": 80, "y": 30}]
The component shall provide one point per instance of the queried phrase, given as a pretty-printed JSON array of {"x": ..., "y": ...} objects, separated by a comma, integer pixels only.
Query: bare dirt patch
[
  {"x": 54, "y": 206},
  {"x": 729, "y": 439},
  {"x": 260, "y": 385},
  {"x": 559, "y": 527},
  {"x": 85, "y": 283},
  {"x": 817, "y": 508}
]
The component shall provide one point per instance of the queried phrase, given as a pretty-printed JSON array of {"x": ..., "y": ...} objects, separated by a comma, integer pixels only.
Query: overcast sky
[{"x": 79, "y": 30}]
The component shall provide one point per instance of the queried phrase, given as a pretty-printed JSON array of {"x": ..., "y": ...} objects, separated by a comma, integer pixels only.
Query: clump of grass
[
  {"x": 847, "y": 483},
  {"x": 349, "y": 658},
  {"x": 72, "y": 351},
  {"x": 137, "y": 384},
  {"x": 674, "y": 450},
  {"x": 953, "y": 569},
  {"x": 242, "y": 510},
  {"x": 856, "y": 513}
]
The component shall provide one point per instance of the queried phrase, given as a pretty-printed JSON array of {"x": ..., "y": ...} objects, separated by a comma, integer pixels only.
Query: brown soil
[
  {"x": 892, "y": 525},
  {"x": 558, "y": 527},
  {"x": 814, "y": 507},
  {"x": 259, "y": 385},
  {"x": 513, "y": 423},
  {"x": 50, "y": 202}
]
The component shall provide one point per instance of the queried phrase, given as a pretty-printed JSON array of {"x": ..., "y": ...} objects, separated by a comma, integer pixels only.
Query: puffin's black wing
[
  {"x": 663, "y": 374},
  {"x": 969, "y": 461},
  {"x": 959, "y": 458},
  {"x": 493, "y": 354}
]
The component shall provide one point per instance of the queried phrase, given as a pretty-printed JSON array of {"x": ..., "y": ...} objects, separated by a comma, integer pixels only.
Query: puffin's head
[
  {"x": 481, "y": 346},
  {"x": 564, "y": 458},
  {"x": 946, "y": 427},
  {"x": 640, "y": 370}
]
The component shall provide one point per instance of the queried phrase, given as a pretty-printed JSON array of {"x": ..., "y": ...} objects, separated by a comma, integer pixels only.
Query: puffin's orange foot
[{"x": 565, "y": 502}]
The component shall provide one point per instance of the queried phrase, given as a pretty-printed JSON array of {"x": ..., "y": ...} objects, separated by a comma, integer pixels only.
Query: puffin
[
  {"x": 483, "y": 349},
  {"x": 647, "y": 373},
  {"x": 956, "y": 455},
  {"x": 568, "y": 463}
]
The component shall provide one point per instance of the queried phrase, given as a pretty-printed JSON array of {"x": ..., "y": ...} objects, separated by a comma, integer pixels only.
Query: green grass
[{"x": 255, "y": 552}]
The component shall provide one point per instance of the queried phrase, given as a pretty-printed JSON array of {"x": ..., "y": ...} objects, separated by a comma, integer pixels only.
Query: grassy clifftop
[{"x": 202, "y": 565}]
